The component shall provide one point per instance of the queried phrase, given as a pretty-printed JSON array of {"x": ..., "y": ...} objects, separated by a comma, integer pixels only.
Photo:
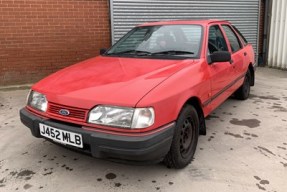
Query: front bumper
[{"x": 147, "y": 148}]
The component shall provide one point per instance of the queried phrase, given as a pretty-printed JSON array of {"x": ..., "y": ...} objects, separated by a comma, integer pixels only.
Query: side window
[
  {"x": 245, "y": 42},
  {"x": 216, "y": 41},
  {"x": 232, "y": 37}
]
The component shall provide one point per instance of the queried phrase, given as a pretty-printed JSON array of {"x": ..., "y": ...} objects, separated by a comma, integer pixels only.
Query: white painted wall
[{"x": 277, "y": 53}]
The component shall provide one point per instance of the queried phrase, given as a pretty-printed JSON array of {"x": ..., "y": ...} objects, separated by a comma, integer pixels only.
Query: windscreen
[{"x": 168, "y": 40}]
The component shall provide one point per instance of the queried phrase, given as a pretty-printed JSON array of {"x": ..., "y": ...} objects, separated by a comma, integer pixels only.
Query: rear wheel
[
  {"x": 184, "y": 140},
  {"x": 242, "y": 93}
]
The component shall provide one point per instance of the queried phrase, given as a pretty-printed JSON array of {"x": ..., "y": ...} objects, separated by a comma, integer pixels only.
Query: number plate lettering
[{"x": 61, "y": 136}]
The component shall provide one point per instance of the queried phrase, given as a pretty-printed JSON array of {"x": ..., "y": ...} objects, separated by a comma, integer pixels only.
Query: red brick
[{"x": 38, "y": 38}]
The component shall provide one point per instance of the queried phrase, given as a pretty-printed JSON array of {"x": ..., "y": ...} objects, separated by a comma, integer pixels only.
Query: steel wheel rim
[
  {"x": 186, "y": 137},
  {"x": 246, "y": 86}
]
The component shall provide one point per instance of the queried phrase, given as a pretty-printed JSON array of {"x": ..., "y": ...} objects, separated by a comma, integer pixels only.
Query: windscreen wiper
[
  {"x": 135, "y": 52},
  {"x": 173, "y": 52}
]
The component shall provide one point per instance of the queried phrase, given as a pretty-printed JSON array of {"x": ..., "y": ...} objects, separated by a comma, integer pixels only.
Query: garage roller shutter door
[{"x": 125, "y": 14}]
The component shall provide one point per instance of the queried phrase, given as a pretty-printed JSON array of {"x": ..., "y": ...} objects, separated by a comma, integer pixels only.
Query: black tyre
[
  {"x": 242, "y": 93},
  {"x": 184, "y": 140}
]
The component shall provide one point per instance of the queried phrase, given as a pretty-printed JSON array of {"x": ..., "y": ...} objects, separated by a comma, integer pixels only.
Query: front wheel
[
  {"x": 242, "y": 93},
  {"x": 184, "y": 140}
]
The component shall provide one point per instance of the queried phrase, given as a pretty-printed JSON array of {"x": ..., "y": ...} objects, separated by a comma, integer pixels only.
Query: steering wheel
[{"x": 212, "y": 48}]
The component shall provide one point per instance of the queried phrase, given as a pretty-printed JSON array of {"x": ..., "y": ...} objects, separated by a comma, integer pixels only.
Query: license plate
[{"x": 61, "y": 136}]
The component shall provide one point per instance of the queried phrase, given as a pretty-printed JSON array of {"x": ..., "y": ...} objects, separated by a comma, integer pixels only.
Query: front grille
[{"x": 75, "y": 113}]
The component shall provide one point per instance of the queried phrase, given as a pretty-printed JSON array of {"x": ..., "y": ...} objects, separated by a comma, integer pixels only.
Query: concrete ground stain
[
  {"x": 118, "y": 184},
  {"x": 2, "y": 180},
  {"x": 251, "y": 123},
  {"x": 25, "y": 173},
  {"x": 264, "y": 182},
  {"x": 69, "y": 169},
  {"x": 234, "y": 135},
  {"x": 257, "y": 178},
  {"x": 276, "y": 104},
  {"x": 260, "y": 187},
  {"x": 27, "y": 186},
  {"x": 210, "y": 138},
  {"x": 266, "y": 150},
  {"x": 49, "y": 173},
  {"x": 279, "y": 147},
  {"x": 111, "y": 176},
  {"x": 211, "y": 117},
  {"x": 250, "y": 134},
  {"x": 269, "y": 97},
  {"x": 278, "y": 108},
  {"x": 257, "y": 101},
  {"x": 27, "y": 178}
]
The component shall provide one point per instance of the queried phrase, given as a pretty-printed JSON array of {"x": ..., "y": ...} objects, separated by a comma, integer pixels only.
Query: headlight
[
  {"x": 37, "y": 101},
  {"x": 122, "y": 117}
]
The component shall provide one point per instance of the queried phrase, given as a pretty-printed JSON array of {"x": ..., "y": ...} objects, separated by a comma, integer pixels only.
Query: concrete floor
[{"x": 244, "y": 150}]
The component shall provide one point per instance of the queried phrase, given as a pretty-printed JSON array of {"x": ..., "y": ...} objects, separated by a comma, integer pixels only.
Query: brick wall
[{"x": 39, "y": 37}]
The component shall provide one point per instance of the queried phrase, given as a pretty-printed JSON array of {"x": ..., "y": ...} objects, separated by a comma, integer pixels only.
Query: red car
[{"x": 146, "y": 98}]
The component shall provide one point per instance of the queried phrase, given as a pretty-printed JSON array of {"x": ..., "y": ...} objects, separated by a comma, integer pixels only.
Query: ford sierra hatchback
[{"x": 146, "y": 98}]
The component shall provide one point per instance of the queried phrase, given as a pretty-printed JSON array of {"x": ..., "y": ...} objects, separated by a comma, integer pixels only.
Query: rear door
[
  {"x": 237, "y": 51},
  {"x": 248, "y": 49}
]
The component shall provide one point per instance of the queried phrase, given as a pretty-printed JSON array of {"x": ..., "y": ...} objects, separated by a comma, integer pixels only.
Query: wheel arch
[{"x": 196, "y": 103}]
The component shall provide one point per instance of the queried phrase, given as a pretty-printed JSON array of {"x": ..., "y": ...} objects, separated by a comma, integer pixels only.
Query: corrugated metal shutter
[
  {"x": 244, "y": 14},
  {"x": 277, "y": 56}
]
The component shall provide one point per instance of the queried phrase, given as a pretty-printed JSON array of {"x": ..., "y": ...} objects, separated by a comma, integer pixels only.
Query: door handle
[{"x": 245, "y": 54}]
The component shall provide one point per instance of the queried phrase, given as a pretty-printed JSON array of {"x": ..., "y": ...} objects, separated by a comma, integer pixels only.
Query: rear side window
[
  {"x": 245, "y": 42},
  {"x": 232, "y": 37}
]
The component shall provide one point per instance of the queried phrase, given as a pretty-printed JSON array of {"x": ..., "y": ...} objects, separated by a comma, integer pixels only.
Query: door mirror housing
[
  {"x": 219, "y": 56},
  {"x": 103, "y": 51}
]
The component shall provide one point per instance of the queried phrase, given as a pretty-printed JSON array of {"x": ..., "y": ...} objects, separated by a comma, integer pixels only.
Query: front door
[{"x": 220, "y": 72}]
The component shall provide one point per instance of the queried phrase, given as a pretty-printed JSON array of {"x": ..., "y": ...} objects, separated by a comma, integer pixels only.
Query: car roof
[{"x": 184, "y": 22}]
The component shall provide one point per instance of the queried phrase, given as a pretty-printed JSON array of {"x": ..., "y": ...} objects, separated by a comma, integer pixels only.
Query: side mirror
[
  {"x": 103, "y": 51},
  {"x": 219, "y": 56}
]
